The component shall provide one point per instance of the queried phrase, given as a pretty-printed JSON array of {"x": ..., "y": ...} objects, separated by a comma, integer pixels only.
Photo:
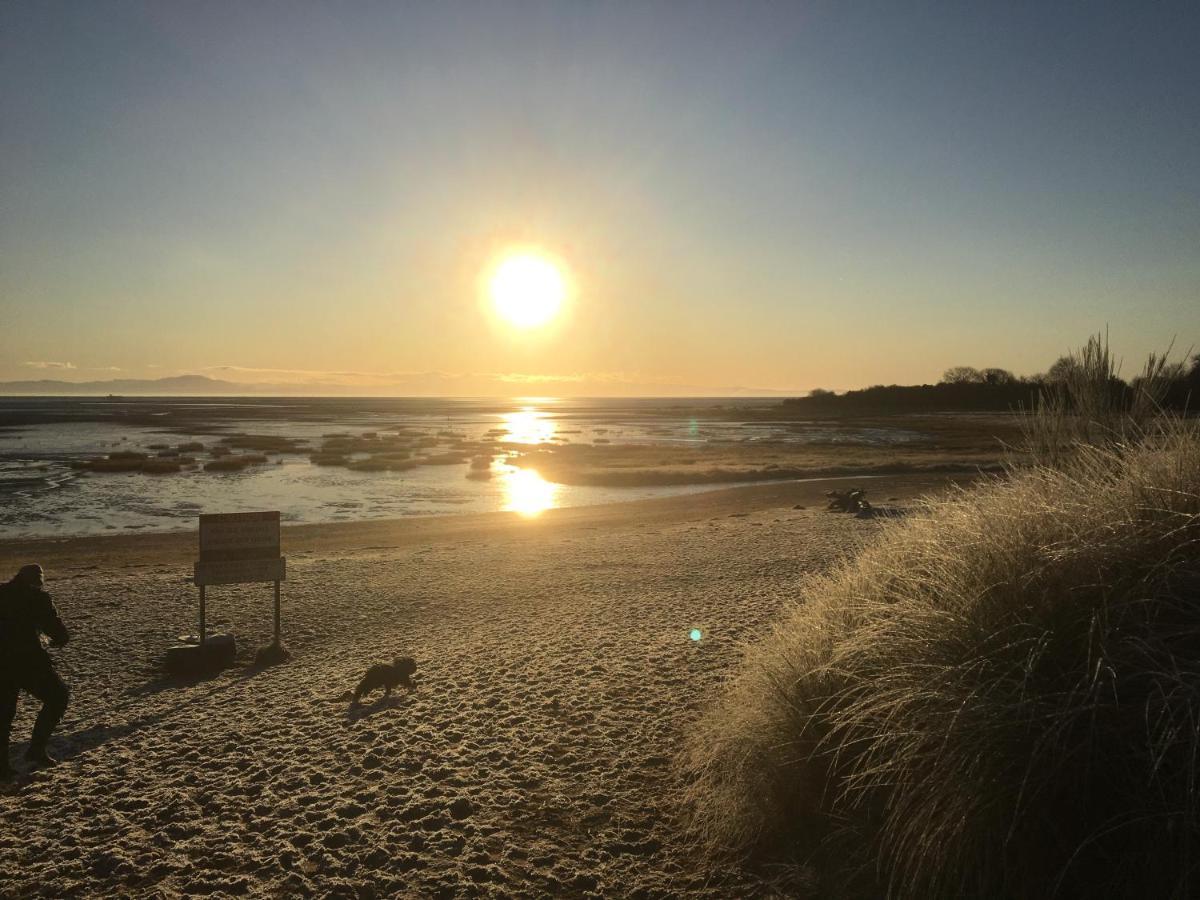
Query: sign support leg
[
  {"x": 277, "y": 613},
  {"x": 202, "y": 628}
]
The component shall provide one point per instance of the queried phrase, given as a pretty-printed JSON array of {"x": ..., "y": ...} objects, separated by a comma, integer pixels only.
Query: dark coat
[{"x": 26, "y": 613}]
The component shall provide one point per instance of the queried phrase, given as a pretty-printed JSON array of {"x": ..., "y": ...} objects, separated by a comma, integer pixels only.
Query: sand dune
[{"x": 556, "y": 680}]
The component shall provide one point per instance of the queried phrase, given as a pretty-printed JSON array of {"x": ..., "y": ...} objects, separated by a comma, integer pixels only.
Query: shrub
[{"x": 1001, "y": 697}]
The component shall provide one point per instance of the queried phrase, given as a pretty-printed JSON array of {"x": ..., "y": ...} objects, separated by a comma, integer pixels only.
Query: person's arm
[{"x": 50, "y": 623}]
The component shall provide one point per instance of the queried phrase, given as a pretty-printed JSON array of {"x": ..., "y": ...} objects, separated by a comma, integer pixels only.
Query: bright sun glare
[
  {"x": 529, "y": 494},
  {"x": 527, "y": 289},
  {"x": 528, "y": 426}
]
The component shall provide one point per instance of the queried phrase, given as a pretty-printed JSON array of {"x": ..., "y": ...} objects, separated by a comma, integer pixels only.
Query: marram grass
[{"x": 998, "y": 698}]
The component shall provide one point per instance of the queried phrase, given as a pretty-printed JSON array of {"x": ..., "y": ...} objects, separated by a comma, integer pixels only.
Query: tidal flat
[{"x": 104, "y": 465}]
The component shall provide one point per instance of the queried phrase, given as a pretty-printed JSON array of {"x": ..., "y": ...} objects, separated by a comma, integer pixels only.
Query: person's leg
[
  {"x": 8, "y": 710},
  {"x": 45, "y": 684}
]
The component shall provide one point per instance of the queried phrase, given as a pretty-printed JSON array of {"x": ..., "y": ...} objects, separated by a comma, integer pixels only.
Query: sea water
[{"x": 42, "y": 495}]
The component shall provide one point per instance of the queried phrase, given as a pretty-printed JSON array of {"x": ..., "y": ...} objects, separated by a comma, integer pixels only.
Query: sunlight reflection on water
[
  {"x": 528, "y": 425},
  {"x": 527, "y": 493}
]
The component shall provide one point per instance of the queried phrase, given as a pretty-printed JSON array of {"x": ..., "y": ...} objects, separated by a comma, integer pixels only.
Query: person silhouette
[{"x": 26, "y": 613}]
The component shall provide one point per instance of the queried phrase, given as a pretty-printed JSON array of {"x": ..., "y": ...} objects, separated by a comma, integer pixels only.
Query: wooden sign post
[{"x": 239, "y": 548}]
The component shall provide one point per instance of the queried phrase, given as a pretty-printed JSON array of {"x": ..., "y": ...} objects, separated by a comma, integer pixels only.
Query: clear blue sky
[{"x": 762, "y": 195}]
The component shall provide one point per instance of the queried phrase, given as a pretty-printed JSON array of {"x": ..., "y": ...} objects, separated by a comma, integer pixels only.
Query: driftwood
[{"x": 853, "y": 500}]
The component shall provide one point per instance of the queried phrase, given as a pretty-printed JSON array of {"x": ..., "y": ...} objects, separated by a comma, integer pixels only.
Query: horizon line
[{"x": 522, "y": 397}]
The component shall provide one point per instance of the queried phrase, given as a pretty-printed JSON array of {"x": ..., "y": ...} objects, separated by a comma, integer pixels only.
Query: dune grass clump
[
  {"x": 998, "y": 698},
  {"x": 1087, "y": 404}
]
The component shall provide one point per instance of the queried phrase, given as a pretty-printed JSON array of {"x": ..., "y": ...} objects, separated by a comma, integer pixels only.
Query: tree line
[{"x": 970, "y": 389}]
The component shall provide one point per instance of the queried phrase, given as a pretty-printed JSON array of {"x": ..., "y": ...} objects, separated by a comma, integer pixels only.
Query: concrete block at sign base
[
  {"x": 272, "y": 654},
  {"x": 218, "y": 652}
]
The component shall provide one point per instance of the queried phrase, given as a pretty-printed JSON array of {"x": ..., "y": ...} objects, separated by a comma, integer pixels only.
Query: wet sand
[{"x": 556, "y": 679}]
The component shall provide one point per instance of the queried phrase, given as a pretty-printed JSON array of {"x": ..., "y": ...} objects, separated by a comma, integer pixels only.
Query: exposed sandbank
[
  {"x": 557, "y": 677},
  {"x": 160, "y": 548}
]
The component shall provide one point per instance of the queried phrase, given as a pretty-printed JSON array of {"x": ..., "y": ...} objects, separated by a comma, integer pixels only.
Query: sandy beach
[{"x": 556, "y": 679}]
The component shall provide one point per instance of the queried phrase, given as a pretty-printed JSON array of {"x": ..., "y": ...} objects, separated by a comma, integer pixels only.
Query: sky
[{"x": 746, "y": 197}]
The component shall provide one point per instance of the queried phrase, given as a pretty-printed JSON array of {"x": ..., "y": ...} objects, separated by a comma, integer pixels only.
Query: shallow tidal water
[{"x": 41, "y": 495}]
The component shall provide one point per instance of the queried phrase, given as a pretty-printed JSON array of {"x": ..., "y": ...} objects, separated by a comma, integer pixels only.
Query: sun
[{"x": 527, "y": 289}]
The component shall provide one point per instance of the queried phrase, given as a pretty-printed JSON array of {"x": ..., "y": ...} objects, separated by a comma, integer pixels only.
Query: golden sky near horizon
[{"x": 760, "y": 199}]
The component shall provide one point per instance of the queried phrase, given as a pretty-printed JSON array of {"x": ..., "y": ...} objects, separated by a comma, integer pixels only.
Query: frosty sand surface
[{"x": 556, "y": 678}]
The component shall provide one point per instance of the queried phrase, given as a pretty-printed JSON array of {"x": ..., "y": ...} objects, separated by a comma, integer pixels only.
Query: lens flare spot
[{"x": 695, "y": 634}]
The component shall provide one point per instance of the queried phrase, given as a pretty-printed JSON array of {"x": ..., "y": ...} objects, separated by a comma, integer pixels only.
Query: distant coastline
[{"x": 432, "y": 386}]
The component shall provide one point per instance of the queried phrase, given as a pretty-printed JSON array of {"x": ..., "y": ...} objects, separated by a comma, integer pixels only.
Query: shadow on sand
[
  {"x": 355, "y": 713},
  {"x": 68, "y": 746},
  {"x": 166, "y": 681}
]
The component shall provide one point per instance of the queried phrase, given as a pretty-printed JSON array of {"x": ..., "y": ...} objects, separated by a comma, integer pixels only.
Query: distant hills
[
  {"x": 431, "y": 384},
  {"x": 179, "y": 384}
]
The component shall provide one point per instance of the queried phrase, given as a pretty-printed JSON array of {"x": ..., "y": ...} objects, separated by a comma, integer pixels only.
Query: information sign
[
  {"x": 239, "y": 548},
  {"x": 232, "y": 536}
]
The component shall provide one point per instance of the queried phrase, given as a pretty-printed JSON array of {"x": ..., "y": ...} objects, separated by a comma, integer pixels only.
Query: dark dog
[{"x": 386, "y": 677}]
